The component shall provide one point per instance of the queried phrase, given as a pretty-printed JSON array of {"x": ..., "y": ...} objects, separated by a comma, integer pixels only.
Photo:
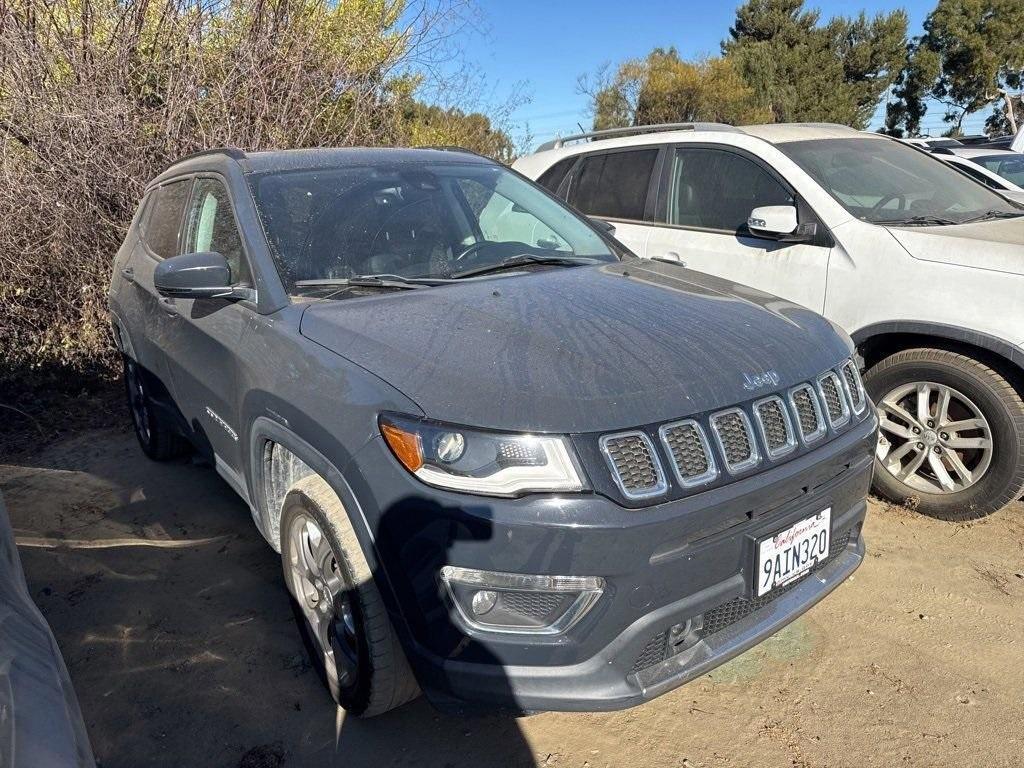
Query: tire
[
  {"x": 382, "y": 679},
  {"x": 995, "y": 460},
  {"x": 158, "y": 441}
]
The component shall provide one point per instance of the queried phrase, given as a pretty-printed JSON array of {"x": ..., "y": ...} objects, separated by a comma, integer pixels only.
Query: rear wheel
[
  {"x": 337, "y": 605},
  {"x": 951, "y": 433},
  {"x": 158, "y": 441}
]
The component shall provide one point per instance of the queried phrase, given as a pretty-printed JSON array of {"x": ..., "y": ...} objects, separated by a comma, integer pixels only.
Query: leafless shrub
[{"x": 96, "y": 96}]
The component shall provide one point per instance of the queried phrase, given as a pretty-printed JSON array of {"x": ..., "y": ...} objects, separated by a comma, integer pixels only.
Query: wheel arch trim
[
  {"x": 1012, "y": 353},
  {"x": 264, "y": 431},
  {"x": 122, "y": 338}
]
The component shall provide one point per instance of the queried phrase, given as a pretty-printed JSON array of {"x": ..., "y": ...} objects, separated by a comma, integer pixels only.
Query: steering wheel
[
  {"x": 473, "y": 248},
  {"x": 895, "y": 196}
]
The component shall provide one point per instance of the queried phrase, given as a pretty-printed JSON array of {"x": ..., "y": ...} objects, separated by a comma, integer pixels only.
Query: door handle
[
  {"x": 128, "y": 274},
  {"x": 168, "y": 305},
  {"x": 673, "y": 256}
]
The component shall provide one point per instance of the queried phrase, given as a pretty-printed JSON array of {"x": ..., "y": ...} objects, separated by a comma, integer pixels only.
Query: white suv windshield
[
  {"x": 885, "y": 182},
  {"x": 414, "y": 221}
]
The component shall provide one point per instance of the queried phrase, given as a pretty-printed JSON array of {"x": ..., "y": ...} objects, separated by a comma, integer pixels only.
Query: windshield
[
  {"x": 429, "y": 221},
  {"x": 886, "y": 182}
]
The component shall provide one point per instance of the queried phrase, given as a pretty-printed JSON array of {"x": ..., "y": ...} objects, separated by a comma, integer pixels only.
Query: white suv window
[
  {"x": 614, "y": 184},
  {"x": 717, "y": 189}
]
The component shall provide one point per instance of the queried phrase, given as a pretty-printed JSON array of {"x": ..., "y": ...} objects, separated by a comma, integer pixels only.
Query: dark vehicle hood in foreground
[{"x": 578, "y": 349}]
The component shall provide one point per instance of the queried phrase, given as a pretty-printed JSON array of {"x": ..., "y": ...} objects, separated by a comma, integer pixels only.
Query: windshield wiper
[
  {"x": 524, "y": 259},
  {"x": 918, "y": 221},
  {"x": 371, "y": 281},
  {"x": 987, "y": 215}
]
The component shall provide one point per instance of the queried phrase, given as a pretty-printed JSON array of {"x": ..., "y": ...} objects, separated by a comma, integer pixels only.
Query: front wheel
[
  {"x": 951, "y": 434},
  {"x": 337, "y": 604}
]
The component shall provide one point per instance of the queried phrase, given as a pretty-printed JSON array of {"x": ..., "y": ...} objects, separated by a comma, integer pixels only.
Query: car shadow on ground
[{"x": 174, "y": 620}]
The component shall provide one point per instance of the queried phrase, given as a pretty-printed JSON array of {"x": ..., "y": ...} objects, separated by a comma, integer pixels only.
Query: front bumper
[
  {"x": 605, "y": 682},
  {"x": 663, "y": 566}
]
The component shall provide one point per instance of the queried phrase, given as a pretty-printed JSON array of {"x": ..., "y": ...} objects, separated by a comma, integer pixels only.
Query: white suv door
[{"x": 706, "y": 194}]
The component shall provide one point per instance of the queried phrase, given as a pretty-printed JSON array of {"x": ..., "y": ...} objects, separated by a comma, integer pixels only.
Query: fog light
[
  {"x": 483, "y": 601},
  {"x": 513, "y": 602}
]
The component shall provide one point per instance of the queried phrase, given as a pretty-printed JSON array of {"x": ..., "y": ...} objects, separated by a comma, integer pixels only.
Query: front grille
[
  {"x": 776, "y": 428},
  {"x": 534, "y": 605},
  {"x": 721, "y": 616},
  {"x": 634, "y": 464},
  {"x": 808, "y": 415},
  {"x": 732, "y": 430},
  {"x": 784, "y": 421},
  {"x": 853, "y": 385},
  {"x": 832, "y": 395},
  {"x": 690, "y": 452}
]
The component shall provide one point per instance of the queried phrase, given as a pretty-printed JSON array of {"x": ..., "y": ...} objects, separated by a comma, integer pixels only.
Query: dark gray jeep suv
[{"x": 504, "y": 461}]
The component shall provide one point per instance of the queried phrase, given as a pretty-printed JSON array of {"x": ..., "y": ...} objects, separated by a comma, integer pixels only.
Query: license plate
[{"x": 791, "y": 553}]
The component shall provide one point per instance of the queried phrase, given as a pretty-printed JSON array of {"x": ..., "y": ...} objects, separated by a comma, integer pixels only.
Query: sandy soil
[{"x": 185, "y": 654}]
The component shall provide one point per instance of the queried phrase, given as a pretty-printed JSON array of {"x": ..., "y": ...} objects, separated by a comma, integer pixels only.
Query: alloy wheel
[
  {"x": 933, "y": 438},
  {"x": 324, "y": 599},
  {"x": 138, "y": 400}
]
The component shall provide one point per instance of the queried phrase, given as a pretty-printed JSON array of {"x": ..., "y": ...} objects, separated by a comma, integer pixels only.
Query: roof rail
[{"x": 633, "y": 130}]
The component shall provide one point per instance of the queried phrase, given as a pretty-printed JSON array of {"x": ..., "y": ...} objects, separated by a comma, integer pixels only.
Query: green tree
[
  {"x": 970, "y": 50},
  {"x": 663, "y": 88},
  {"x": 429, "y": 125},
  {"x": 801, "y": 70}
]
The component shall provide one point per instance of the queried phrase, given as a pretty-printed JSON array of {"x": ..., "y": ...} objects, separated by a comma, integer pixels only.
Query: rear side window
[
  {"x": 212, "y": 227},
  {"x": 552, "y": 178},
  {"x": 614, "y": 184},
  {"x": 1010, "y": 168},
  {"x": 716, "y": 189},
  {"x": 163, "y": 219},
  {"x": 978, "y": 175}
]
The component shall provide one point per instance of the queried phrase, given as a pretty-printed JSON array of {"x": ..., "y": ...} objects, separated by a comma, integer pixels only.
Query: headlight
[{"x": 477, "y": 461}]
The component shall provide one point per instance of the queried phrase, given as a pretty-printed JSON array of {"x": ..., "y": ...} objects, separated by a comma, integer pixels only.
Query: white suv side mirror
[{"x": 773, "y": 220}]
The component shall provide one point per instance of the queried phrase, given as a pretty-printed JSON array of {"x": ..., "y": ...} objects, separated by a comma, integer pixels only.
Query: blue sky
[{"x": 545, "y": 46}]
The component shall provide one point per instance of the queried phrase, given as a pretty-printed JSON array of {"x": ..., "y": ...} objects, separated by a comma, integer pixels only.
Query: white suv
[{"x": 922, "y": 265}]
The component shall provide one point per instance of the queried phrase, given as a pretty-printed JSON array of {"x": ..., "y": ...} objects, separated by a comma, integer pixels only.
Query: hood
[
  {"x": 579, "y": 349},
  {"x": 997, "y": 245}
]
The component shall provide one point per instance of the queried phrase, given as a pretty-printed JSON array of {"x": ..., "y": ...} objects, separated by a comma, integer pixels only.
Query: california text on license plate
[{"x": 792, "y": 552}]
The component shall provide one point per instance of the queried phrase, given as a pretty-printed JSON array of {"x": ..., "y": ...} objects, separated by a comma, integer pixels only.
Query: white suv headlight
[{"x": 479, "y": 461}]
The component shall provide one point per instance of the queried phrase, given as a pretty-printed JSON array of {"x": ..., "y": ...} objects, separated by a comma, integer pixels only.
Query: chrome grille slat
[
  {"x": 735, "y": 439},
  {"x": 692, "y": 459},
  {"x": 804, "y": 402},
  {"x": 634, "y": 464},
  {"x": 776, "y": 426},
  {"x": 831, "y": 391},
  {"x": 854, "y": 386}
]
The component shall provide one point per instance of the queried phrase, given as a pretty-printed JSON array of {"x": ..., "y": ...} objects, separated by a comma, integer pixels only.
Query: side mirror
[
  {"x": 203, "y": 275},
  {"x": 605, "y": 227},
  {"x": 779, "y": 222},
  {"x": 773, "y": 220}
]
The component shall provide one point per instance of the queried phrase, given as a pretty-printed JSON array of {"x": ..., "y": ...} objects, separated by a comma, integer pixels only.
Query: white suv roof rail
[{"x": 609, "y": 133}]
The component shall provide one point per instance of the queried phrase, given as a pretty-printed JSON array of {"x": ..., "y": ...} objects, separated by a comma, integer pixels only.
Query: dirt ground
[{"x": 173, "y": 619}]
